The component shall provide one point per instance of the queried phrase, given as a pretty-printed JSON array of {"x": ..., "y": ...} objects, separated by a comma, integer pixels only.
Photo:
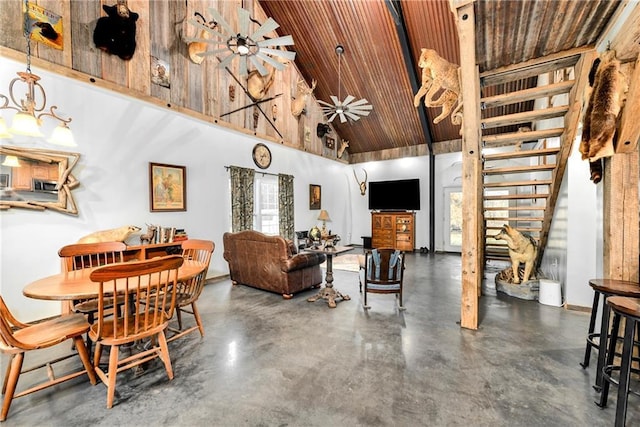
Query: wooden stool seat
[
  {"x": 629, "y": 308},
  {"x": 598, "y": 340}
]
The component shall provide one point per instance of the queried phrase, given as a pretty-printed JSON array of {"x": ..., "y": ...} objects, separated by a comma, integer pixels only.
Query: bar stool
[
  {"x": 608, "y": 288},
  {"x": 629, "y": 308}
]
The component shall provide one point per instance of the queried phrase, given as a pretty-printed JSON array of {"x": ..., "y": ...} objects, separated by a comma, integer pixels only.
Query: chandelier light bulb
[
  {"x": 11, "y": 161},
  {"x": 63, "y": 136},
  {"x": 25, "y": 124},
  {"x": 4, "y": 132}
]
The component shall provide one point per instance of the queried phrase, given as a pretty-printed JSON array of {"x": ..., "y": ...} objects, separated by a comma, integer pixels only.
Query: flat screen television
[{"x": 402, "y": 195}]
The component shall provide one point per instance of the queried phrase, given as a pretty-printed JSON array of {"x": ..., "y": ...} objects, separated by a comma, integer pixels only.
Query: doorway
[{"x": 453, "y": 219}]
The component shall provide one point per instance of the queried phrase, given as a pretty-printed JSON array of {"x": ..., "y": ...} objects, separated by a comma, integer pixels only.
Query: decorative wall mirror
[{"x": 38, "y": 179}]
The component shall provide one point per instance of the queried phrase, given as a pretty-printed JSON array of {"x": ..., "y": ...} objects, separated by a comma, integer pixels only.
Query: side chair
[
  {"x": 150, "y": 287},
  {"x": 17, "y": 338},
  {"x": 89, "y": 255},
  {"x": 188, "y": 292},
  {"x": 383, "y": 273}
]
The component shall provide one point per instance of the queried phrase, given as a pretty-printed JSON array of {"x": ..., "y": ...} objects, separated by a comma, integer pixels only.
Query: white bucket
[{"x": 550, "y": 293}]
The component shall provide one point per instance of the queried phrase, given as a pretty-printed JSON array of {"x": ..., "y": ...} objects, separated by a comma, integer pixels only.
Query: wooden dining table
[{"x": 77, "y": 284}]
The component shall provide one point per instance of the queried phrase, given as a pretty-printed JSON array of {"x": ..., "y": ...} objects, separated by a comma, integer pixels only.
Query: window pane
[{"x": 267, "y": 205}]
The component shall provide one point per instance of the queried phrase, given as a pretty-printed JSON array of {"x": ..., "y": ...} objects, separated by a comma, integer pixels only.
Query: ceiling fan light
[
  {"x": 25, "y": 124},
  {"x": 242, "y": 47}
]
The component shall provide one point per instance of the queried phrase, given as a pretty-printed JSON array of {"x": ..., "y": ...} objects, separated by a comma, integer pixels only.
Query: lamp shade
[
  {"x": 324, "y": 216},
  {"x": 4, "y": 132},
  {"x": 11, "y": 161},
  {"x": 62, "y": 136},
  {"x": 25, "y": 124}
]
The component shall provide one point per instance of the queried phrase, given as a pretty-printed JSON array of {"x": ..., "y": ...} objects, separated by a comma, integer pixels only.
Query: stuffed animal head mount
[{"x": 116, "y": 33}]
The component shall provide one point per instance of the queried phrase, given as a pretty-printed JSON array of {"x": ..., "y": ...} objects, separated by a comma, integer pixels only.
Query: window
[{"x": 266, "y": 205}]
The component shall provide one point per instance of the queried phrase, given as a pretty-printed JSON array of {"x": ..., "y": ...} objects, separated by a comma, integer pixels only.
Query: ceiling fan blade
[
  {"x": 243, "y": 21},
  {"x": 207, "y": 29},
  {"x": 278, "y": 41},
  {"x": 335, "y": 100},
  {"x": 212, "y": 52},
  {"x": 342, "y": 118},
  {"x": 333, "y": 116},
  {"x": 226, "y": 61},
  {"x": 221, "y": 21},
  {"x": 360, "y": 108},
  {"x": 359, "y": 113},
  {"x": 274, "y": 63},
  {"x": 348, "y": 99},
  {"x": 359, "y": 102},
  {"x": 268, "y": 26},
  {"x": 242, "y": 65},
  {"x": 353, "y": 117},
  {"x": 287, "y": 54},
  {"x": 325, "y": 103},
  {"x": 261, "y": 68}
]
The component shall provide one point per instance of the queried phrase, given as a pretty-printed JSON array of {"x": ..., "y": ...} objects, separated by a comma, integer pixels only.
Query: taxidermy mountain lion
[{"x": 522, "y": 248}]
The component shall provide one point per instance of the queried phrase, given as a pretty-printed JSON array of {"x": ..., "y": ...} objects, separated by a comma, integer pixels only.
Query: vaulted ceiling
[{"x": 377, "y": 33}]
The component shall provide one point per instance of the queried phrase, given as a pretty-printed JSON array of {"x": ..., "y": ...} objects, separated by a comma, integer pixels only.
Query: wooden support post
[
  {"x": 472, "y": 232},
  {"x": 629, "y": 124},
  {"x": 620, "y": 217}
]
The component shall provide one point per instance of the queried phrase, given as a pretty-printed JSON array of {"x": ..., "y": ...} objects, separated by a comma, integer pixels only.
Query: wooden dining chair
[
  {"x": 17, "y": 338},
  {"x": 188, "y": 292},
  {"x": 89, "y": 255},
  {"x": 383, "y": 273},
  {"x": 150, "y": 287}
]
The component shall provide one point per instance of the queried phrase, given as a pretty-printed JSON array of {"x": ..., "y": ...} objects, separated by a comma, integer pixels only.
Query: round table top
[
  {"x": 77, "y": 284},
  {"x": 616, "y": 287}
]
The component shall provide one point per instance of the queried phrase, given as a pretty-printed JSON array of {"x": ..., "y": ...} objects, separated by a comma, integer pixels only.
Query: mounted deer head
[
  {"x": 343, "y": 146},
  {"x": 361, "y": 184},
  {"x": 300, "y": 98}
]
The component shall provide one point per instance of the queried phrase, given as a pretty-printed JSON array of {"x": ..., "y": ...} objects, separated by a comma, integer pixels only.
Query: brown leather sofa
[{"x": 270, "y": 263}]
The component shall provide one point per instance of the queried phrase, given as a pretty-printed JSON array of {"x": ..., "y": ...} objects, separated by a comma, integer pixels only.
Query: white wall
[{"x": 117, "y": 138}]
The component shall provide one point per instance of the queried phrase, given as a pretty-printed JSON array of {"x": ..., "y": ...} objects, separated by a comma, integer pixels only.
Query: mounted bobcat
[{"x": 439, "y": 74}]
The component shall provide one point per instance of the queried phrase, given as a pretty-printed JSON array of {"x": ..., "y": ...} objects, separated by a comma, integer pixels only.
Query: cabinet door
[{"x": 21, "y": 177}]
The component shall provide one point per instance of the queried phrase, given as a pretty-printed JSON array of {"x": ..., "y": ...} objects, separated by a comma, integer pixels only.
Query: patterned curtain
[
  {"x": 285, "y": 205},
  {"x": 241, "y": 198}
]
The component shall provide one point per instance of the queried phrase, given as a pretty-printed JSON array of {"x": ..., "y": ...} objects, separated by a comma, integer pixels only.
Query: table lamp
[{"x": 324, "y": 217}]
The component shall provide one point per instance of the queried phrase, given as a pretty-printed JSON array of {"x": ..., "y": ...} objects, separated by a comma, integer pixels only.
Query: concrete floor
[{"x": 266, "y": 361}]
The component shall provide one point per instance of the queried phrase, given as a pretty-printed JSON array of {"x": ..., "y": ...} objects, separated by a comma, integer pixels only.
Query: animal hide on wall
[
  {"x": 606, "y": 98},
  {"x": 116, "y": 32}
]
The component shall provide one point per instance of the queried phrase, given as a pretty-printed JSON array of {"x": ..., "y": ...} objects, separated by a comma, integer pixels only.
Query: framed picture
[
  {"x": 167, "y": 187},
  {"x": 330, "y": 142},
  {"x": 315, "y": 197}
]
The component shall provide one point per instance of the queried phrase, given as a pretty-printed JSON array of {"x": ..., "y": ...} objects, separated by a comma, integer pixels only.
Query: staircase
[{"x": 524, "y": 154}]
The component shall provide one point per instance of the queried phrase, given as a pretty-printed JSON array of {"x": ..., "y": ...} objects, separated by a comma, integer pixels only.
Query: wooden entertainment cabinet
[{"x": 393, "y": 230}]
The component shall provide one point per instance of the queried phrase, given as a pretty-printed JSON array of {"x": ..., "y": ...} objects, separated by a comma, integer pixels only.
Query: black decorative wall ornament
[{"x": 116, "y": 32}]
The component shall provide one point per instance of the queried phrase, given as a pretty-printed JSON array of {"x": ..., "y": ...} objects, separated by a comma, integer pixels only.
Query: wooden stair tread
[
  {"x": 515, "y": 219},
  {"x": 525, "y": 229},
  {"x": 517, "y": 196},
  {"x": 526, "y": 94},
  {"x": 514, "y": 208},
  {"x": 520, "y": 169},
  {"x": 524, "y": 117},
  {"x": 503, "y": 139},
  {"x": 517, "y": 183},
  {"x": 521, "y": 154}
]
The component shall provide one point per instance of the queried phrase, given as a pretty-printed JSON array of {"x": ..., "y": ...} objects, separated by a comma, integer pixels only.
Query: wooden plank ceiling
[{"x": 373, "y": 67}]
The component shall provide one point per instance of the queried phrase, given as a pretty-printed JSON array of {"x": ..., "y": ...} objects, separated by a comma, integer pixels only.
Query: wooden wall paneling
[
  {"x": 12, "y": 24},
  {"x": 620, "y": 217},
  {"x": 85, "y": 54},
  {"x": 629, "y": 132},
  {"x": 159, "y": 32},
  {"x": 472, "y": 239},
  {"x": 178, "y": 57},
  {"x": 139, "y": 67},
  {"x": 195, "y": 84}
]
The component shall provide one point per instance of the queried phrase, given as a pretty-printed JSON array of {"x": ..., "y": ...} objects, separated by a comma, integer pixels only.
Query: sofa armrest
[{"x": 302, "y": 260}]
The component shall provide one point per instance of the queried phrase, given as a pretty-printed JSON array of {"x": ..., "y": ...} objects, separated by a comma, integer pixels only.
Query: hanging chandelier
[
  {"x": 31, "y": 109},
  {"x": 346, "y": 109}
]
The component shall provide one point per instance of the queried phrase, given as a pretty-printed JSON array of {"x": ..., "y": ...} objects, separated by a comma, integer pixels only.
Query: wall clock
[{"x": 262, "y": 156}]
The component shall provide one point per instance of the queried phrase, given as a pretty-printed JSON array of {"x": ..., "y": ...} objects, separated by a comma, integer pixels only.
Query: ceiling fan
[
  {"x": 346, "y": 109},
  {"x": 241, "y": 44}
]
